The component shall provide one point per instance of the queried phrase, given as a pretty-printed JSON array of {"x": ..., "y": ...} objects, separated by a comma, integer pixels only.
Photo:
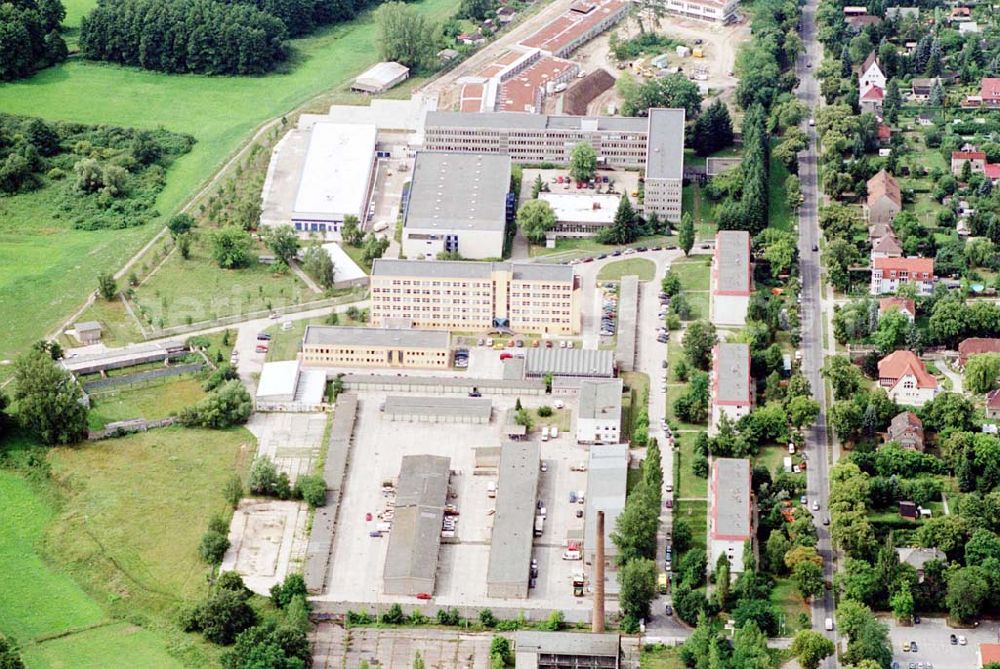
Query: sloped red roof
[
  {"x": 915, "y": 266},
  {"x": 989, "y": 652},
  {"x": 976, "y": 346},
  {"x": 992, "y": 170},
  {"x": 901, "y": 303},
  {"x": 901, "y": 363},
  {"x": 989, "y": 89},
  {"x": 874, "y": 93},
  {"x": 968, "y": 155},
  {"x": 993, "y": 399},
  {"x": 883, "y": 184},
  {"x": 888, "y": 245},
  {"x": 884, "y": 131}
]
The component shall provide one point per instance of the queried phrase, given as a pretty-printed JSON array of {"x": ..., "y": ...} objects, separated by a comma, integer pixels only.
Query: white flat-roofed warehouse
[
  {"x": 336, "y": 177},
  {"x": 581, "y": 215},
  {"x": 579, "y": 362},
  {"x": 333, "y": 346},
  {"x": 438, "y": 409},
  {"x": 380, "y": 77},
  {"x": 457, "y": 204},
  {"x": 285, "y": 385},
  {"x": 415, "y": 538},
  {"x": 513, "y": 523},
  {"x": 607, "y": 476}
]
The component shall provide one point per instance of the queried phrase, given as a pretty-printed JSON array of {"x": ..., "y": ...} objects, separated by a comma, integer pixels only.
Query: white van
[
  {"x": 380, "y": 226},
  {"x": 829, "y": 624},
  {"x": 554, "y": 432},
  {"x": 491, "y": 489}
]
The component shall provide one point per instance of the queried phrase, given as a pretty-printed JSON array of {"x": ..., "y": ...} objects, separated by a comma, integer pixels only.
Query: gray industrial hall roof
[
  {"x": 521, "y": 121},
  {"x": 731, "y": 506},
  {"x": 408, "y": 405},
  {"x": 459, "y": 190},
  {"x": 733, "y": 262},
  {"x": 415, "y": 537},
  {"x": 568, "y": 643},
  {"x": 665, "y": 146},
  {"x": 600, "y": 399},
  {"x": 732, "y": 373},
  {"x": 332, "y": 335},
  {"x": 569, "y": 362},
  {"x": 467, "y": 269},
  {"x": 607, "y": 477},
  {"x": 514, "y": 520}
]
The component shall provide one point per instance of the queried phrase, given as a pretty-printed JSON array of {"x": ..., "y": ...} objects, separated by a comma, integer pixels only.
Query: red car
[
  {"x": 506, "y": 356},
  {"x": 423, "y": 595}
]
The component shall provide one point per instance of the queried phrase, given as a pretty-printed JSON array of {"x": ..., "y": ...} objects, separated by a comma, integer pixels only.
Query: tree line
[
  {"x": 240, "y": 37},
  {"x": 29, "y": 37}
]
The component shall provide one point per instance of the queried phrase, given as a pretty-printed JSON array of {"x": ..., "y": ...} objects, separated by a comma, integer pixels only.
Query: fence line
[{"x": 124, "y": 427}]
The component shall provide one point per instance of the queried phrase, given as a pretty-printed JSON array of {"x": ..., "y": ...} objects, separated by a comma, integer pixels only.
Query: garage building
[
  {"x": 476, "y": 410},
  {"x": 577, "y": 362},
  {"x": 513, "y": 522},
  {"x": 412, "y": 556},
  {"x": 380, "y": 77},
  {"x": 341, "y": 346},
  {"x": 607, "y": 475},
  {"x": 286, "y": 386}
]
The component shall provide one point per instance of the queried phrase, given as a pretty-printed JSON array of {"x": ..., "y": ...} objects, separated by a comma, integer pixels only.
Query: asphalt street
[{"x": 812, "y": 314}]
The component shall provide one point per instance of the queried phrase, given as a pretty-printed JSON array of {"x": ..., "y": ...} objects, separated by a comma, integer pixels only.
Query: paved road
[{"x": 812, "y": 315}]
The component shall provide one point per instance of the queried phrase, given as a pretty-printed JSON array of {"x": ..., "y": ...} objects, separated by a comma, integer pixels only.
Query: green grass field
[
  {"x": 693, "y": 272},
  {"x": 157, "y": 400},
  {"x": 786, "y": 598},
  {"x": 644, "y": 269},
  {"x": 46, "y": 269},
  {"x": 779, "y": 215},
  {"x": 688, "y": 483},
  {"x": 118, "y": 644},
  {"x": 35, "y": 598},
  {"x": 695, "y": 514},
  {"x": 660, "y": 657}
]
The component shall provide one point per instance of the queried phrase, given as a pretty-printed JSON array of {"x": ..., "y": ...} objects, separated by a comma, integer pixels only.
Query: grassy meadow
[{"x": 46, "y": 268}]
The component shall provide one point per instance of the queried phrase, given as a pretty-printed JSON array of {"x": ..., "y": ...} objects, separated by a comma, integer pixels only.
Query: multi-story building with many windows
[
  {"x": 655, "y": 143},
  {"x": 332, "y": 346},
  {"x": 457, "y": 295}
]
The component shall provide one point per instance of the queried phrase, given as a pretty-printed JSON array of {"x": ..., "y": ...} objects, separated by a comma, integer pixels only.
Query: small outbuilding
[
  {"x": 380, "y": 77},
  {"x": 88, "y": 332}
]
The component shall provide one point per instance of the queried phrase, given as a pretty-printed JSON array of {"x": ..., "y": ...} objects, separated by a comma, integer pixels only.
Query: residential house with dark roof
[
  {"x": 976, "y": 346},
  {"x": 855, "y": 24},
  {"x": 730, "y": 514},
  {"x": 884, "y": 200},
  {"x": 907, "y": 430},
  {"x": 905, "y": 378},
  {"x": 903, "y": 305},
  {"x": 889, "y": 273},
  {"x": 731, "y": 278},
  {"x": 730, "y": 387},
  {"x": 920, "y": 89},
  {"x": 918, "y": 557},
  {"x": 886, "y": 246}
]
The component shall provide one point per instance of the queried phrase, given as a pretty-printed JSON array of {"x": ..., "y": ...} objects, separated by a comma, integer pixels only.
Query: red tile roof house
[
  {"x": 884, "y": 201},
  {"x": 903, "y": 305},
  {"x": 872, "y": 99},
  {"x": 993, "y": 404},
  {"x": 988, "y": 652},
  {"x": 884, "y": 134},
  {"x": 975, "y": 346},
  {"x": 907, "y": 430},
  {"x": 992, "y": 172},
  {"x": 977, "y": 160},
  {"x": 989, "y": 94},
  {"x": 889, "y": 273},
  {"x": 906, "y": 380}
]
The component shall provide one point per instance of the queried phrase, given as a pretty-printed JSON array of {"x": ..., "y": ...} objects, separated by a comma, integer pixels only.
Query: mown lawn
[
  {"x": 158, "y": 399},
  {"x": 694, "y": 273},
  {"x": 779, "y": 215},
  {"x": 644, "y": 269},
  {"x": 660, "y": 657},
  {"x": 786, "y": 598},
  {"x": 688, "y": 483},
  {"x": 47, "y": 269},
  {"x": 695, "y": 514},
  {"x": 118, "y": 644}
]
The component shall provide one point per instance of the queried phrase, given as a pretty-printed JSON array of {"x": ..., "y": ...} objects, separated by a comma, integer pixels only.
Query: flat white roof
[
  {"x": 581, "y": 208},
  {"x": 334, "y": 180},
  {"x": 278, "y": 378},
  {"x": 344, "y": 267},
  {"x": 382, "y": 74}
]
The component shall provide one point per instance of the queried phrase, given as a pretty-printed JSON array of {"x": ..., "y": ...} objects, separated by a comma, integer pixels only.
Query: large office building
[
  {"x": 415, "y": 539},
  {"x": 730, "y": 391},
  {"x": 458, "y": 203},
  {"x": 655, "y": 143},
  {"x": 717, "y": 11},
  {"x": 332, "y": 346},
  {"x": 732, "y": 278},
  {"x": 599, "y": 419},
  {"x": 730, "y": 512},
  {"x": 336, "y": 177},
  {"x": 479, "y": 296},
  {"x": 514, "y": 521}
]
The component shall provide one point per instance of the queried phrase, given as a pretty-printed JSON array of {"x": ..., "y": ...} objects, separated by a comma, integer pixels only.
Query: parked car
[{"x": 953, "y": 639}]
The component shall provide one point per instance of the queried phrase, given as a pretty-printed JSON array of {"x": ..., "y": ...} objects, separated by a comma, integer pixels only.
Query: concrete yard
[
  {"x": 358, "y": 559},
  {"x": 291, "y": 440},
  {"x": 265, "y": 537},
  {"x": 335, "y": 647}
]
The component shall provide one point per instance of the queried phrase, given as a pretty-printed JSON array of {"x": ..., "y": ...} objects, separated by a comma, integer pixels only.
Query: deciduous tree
[{"x": 49, "y": 402}]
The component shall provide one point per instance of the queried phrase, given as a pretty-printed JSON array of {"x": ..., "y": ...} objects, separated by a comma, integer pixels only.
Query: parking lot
[
  {"x": 623, "y": 182},
  {"x": 934, "y": 647},
  {"x": 291, "y": 440},
  {"x": 358, "y": 559}
]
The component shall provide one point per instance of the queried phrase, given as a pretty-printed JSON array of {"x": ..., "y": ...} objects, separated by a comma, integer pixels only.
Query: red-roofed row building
[
  {"x": 903, "y": 305},
  {"x": 889, "y": 273},
  {"x": 989, "y": 94},
  {"x": 976, "y": 160},
  {"x": 906, "y": 380}
]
